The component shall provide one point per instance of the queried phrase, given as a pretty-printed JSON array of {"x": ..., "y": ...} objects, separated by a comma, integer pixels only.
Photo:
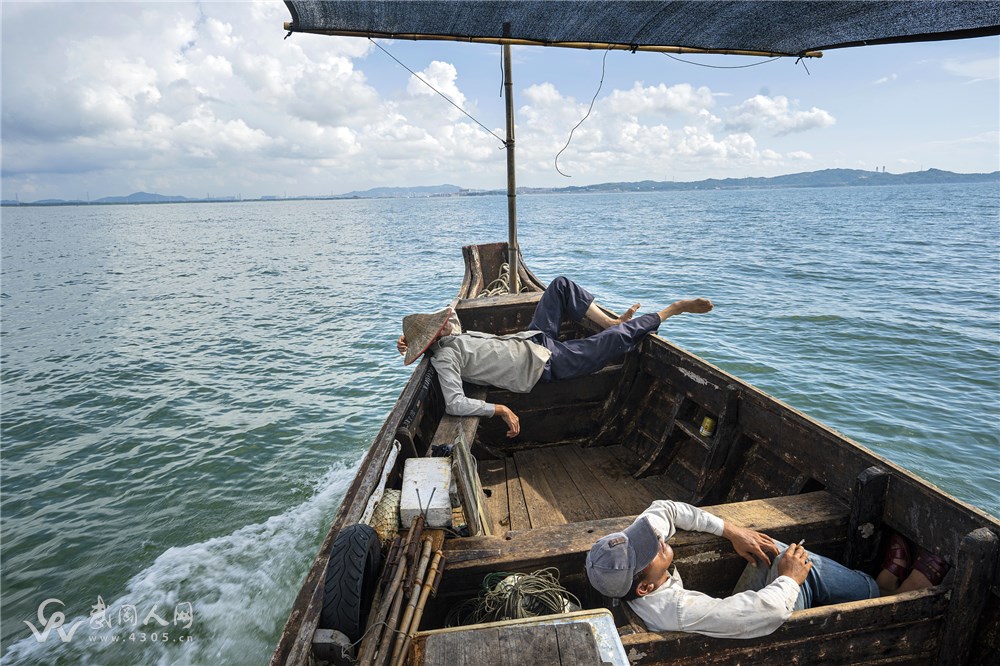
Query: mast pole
[{"x": 512, "y": 249}]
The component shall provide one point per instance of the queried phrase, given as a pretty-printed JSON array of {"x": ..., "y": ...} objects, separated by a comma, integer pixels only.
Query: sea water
[{"x": 188, "y": 389}]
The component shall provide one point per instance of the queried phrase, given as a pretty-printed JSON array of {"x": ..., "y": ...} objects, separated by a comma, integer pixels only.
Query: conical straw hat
[{"x": 420, "y": 331}]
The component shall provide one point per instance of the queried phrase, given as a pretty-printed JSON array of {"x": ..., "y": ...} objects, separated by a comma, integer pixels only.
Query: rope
[
  {"x": 446, "y": 98},
  {"x": 512, "y": 596},
  {"x": 599, "y": 86},
  {"x": 501, "y": 285},
  {"x": 701, "y": 64},
  {"x": 345, "y": 648}
]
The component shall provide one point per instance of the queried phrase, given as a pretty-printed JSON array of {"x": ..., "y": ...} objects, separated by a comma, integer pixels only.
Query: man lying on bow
[{"x": 518, "y": 361}]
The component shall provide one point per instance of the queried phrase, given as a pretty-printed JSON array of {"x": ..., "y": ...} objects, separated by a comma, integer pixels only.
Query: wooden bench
[
  {"x": 903, "y": 628},
  {"x": 707, "y": 562}
]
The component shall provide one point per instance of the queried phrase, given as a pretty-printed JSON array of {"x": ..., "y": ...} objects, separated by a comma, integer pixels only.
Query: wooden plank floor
[{"x": 566, "y": 484}]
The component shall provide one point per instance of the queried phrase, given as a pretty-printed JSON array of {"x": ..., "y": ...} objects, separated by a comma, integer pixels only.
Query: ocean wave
[{"x": 240, "y": 587}]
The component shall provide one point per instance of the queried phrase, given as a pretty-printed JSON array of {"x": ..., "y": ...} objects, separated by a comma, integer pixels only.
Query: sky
[{"x": 208, "y": 98}]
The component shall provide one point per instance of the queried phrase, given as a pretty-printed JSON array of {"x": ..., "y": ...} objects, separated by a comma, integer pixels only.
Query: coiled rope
[
  {"x": 501, "y": 285},
  {"x": 512, "y": 596}
]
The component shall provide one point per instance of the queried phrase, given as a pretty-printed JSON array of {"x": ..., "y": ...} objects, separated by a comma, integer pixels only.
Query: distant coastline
[{"x": 823, "y": 178}]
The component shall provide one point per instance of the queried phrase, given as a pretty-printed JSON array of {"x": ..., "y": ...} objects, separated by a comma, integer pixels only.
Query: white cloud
[
  {"x": 193, "y": 95},
  {"x": 982, "y": 69},
  {"x": 660, "y": 99},
  {"x": 885, "y": 79},
  {"x": 776, "y": 114}
]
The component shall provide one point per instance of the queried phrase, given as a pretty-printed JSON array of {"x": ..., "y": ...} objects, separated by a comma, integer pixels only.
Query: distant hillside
[
  {"x": 141, "y": 197},
  {"x": 824, "y": 178},
  {"x": 402, "y": 192}
]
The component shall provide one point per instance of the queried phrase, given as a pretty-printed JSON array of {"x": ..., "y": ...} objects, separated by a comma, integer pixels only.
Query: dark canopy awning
[{"x": 772, "y": 27}]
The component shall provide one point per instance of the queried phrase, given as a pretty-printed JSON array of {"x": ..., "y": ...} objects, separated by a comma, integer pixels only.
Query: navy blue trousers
[{"x": 576, "y": 358}]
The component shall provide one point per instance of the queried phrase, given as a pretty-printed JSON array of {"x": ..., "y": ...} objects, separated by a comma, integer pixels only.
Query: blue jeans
[
  {"x": 828, "y": 582},
  {"x": 585, "y": 356}
]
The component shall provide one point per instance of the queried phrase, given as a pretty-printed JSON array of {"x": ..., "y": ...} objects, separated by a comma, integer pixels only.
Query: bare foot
[
  {"x": 696, "y": 305},
  {"x": 692, "y": 305},
  {"x": 628, "y": 314}
]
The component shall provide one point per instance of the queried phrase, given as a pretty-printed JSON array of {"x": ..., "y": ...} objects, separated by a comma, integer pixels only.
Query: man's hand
[
  {"x": 750, "y": 544},
  {"x": 795, "y": 564},
  {"x": 401, "y": 345},
  {"x": 513, "y": 423}
]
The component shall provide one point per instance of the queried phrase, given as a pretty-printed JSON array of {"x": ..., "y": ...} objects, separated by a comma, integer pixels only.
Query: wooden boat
[{"x": 593, "y": 452}]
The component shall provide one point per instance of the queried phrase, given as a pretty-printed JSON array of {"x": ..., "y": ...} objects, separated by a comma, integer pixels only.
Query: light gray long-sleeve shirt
[
  {"x": 672, "y": 608},
  {"x": 509, "y": 362}
]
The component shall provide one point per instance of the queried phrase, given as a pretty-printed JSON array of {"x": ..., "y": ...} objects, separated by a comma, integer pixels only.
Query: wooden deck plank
[
  {"x": 663, "y": 487},
  {"x": 529, "y": 646},
  {"x": 493, "y": 476},
  {"x": 601, "y": 503},
  {"x": 607, "y": 464},
  {"x": 538, "y": 496},
  {"x": 576, "y": 645},
  {"x": 567, "y": 498},
  {"x": 516, "y": 505}
]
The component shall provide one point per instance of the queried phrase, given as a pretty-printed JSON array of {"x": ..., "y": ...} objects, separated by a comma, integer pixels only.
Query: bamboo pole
[
  {"x": 591, "y": 46},
  {"x": 371, "y": 640},
  {"x": 420, "y": 570},
  {"x": 419, "y": 609},
  {"x": 381, "y": 656},
  {"x": 508, "y": 90}
]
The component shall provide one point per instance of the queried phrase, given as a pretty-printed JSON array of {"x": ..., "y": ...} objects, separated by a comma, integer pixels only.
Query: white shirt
[
  {"x": 672, "y": 608},
  {"x": 509, "y": 362}
]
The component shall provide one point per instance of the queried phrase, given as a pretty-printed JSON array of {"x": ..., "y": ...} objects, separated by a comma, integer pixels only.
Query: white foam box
[{"x": 432, "y": 476}]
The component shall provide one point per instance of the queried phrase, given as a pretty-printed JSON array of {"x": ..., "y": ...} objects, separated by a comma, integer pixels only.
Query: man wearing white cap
[
  {"x": 634, "y": 565},
  {"x": 518, "y": 361}
]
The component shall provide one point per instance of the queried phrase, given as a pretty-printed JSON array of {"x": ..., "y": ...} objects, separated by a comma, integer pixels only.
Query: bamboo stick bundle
[
  {"x": 431, "y": 583},
  {"x": 382, "y": 655},
  {"x": 418, "y": 578},
  {"x": 372, "y": 637}
]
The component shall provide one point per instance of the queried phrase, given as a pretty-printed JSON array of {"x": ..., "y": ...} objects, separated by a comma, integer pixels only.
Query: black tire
[{"x": 355, "y": 562}]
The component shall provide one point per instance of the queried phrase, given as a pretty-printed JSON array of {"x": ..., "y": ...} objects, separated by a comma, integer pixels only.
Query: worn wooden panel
[
  {"x": 516, "y": 505},
  {"x": 471, "y": 648},
  {"x": 686, "y": 375},
  {"x": 765, "y": 474},
  {"x": 796, "y": 441},
  {"x": 864, "y": 529},
  {"x": 543, "y": 426},
  {"x": 493, "y": 475},
  {"x": 528, "y": 646},
  {"x": 817, "y": 517},
  {"x": 870, "y": 631},
  {"x": 576, "y": 645},
  {"x": 688, "y": 464},
  {"x": 977, "y": 557},
  {"x": 600, "y": 501},
  {"x": 538, "y": 495},
  {"x": 608, "y": 467}
]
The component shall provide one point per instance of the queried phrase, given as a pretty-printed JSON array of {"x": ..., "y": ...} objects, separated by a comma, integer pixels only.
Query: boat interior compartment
[{"x": 661, "y": 423}]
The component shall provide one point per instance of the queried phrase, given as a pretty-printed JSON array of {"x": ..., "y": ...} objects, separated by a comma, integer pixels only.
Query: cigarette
[{"x": 802, "y": 542}]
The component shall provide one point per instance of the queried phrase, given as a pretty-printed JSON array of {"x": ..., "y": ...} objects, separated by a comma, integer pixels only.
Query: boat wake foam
[{"x": 239, "y": 587}]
